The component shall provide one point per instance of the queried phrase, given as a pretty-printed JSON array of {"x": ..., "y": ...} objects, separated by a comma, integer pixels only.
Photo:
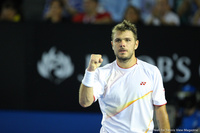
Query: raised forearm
[{"x": 86, "y": 88}]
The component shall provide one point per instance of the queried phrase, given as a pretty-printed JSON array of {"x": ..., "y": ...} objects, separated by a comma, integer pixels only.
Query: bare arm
[
  {"x": 86, "y": 92},
  {"x": 85, "y": 96},
  {"x": 162, "y": 119}
]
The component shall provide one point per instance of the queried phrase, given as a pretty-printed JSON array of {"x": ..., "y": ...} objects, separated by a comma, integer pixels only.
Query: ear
[
  {"x": 136, "y": 44},
  {"x": 112, "y": 44}
]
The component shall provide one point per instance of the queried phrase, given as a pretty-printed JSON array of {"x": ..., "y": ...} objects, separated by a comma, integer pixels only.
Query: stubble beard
[{"x": 124, "y": 59}]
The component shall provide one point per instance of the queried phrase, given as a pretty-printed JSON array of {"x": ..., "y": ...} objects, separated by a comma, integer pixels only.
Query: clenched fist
[{"x": 95, "y": 62}]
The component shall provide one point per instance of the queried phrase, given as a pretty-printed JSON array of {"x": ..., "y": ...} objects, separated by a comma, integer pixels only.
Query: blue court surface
[{"x": 49, "y": 122}]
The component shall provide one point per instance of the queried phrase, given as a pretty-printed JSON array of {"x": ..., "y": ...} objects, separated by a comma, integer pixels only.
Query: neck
[{"x": 128, "y": 63}]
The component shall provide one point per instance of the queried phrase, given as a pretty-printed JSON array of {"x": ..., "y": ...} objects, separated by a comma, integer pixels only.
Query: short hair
[{"x": 123, "y": 26}]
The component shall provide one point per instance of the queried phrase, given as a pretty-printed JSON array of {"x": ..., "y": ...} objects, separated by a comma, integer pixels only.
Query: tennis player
[{"x": 128, "y": 89}]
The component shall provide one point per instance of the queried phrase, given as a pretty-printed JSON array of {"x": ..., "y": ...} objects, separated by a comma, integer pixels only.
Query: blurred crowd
[
  {"x": 187, "y": 105},
  {"x": 140, "y": 12}
]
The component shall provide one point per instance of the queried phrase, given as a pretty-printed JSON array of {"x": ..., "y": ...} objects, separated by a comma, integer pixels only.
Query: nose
[{"x": 122, "y": 43}]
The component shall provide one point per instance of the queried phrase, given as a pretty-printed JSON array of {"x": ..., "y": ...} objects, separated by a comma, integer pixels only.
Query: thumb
[{"x": 100, "y": 60}]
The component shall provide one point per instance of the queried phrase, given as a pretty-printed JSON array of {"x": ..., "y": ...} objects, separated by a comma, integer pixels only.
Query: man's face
[
  {"x": 56, "y": 9},
  {"x": 89, "y": 6},
  {"x": 131, "y": 15},
  {"x": 124, "y": 45},
  {"x": 162, "y": 6},
  {"x": 8, "y": 14}
]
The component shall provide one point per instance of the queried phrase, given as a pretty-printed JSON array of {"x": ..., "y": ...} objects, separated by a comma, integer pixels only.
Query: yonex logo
[{"x": 142, "y": 83}]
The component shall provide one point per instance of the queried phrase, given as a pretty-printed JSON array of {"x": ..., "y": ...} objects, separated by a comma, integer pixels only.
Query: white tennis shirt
[{"x": 126, "y": 96}]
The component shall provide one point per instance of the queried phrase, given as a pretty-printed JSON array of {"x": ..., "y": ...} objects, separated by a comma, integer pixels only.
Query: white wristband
[{"x": 88, "y": 79}]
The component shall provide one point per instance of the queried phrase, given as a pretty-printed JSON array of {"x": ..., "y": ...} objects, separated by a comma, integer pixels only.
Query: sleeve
[
  {"x": 98, "y": 88},
  {"x": 158, "y": 89}
]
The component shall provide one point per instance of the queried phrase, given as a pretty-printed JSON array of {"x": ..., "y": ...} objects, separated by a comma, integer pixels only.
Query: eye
[
  {"x": 117, "y": 40},
  {"x": 128, "y": 40}
]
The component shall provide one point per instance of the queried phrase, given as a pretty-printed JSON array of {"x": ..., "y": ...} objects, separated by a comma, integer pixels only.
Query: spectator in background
[
  {"x": 188, "y": 116},
  {"x": 188, "y": 11},
  {"x": 132, "y": 14},
  {"x": 9, "y": 12},
  {"x": 55, "y": 13},
  {"x": 91, "y": 14},
  {"x": 146, "y": 6},
  {"x": 72, "y": 7},
  {"x": 196, "y": 17},
  {"x": 115, "y": 8},
  {"x": 183, "y": 10},
  {"x": 162, "y": 15}
]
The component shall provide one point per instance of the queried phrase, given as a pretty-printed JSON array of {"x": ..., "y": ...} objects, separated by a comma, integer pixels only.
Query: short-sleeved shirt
[{"x": 126, "y": 96}]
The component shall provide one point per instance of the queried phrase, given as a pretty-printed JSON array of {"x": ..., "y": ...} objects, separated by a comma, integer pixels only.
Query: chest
[{"x": 125, "y": 87}]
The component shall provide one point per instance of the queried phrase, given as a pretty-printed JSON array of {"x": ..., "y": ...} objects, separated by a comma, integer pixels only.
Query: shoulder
[
  {"x": 107, "y": 67},
  {"x": 148, "y": 68},
  {"x": 171, "y": 15}
]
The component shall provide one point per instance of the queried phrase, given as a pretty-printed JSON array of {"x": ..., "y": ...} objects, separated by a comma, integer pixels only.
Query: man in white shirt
[{"x": 127, "y": 89}]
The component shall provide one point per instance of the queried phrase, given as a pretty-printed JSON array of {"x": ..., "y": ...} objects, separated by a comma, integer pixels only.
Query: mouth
[{"x": 122, "y": 51}]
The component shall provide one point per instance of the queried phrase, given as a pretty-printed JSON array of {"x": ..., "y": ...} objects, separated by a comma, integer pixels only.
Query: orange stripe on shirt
[
  {"x": 148, "y": 126},
  {"x": 129, "y": 103}
]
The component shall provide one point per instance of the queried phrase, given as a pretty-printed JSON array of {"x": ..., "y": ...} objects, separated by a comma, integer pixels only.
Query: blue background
[{"x": 49, "y": 122}]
